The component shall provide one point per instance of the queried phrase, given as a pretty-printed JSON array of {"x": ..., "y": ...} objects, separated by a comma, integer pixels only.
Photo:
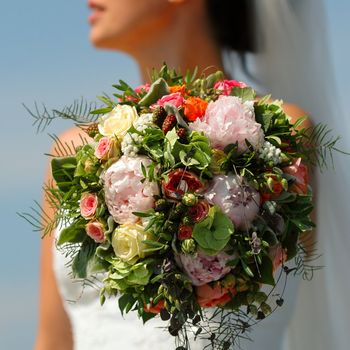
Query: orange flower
[
  {"x": 178, "y": 88},
  {"x": 208, "y": 296},
  {"x": 275, "y": 191},
  {"x": 154, "y": 309},
  {"x": 195, "y": 108}
]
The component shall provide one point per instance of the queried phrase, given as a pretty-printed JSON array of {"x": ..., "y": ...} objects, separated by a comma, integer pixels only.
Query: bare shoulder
[
  {"x": 72, "y": 134},
  {"x": 295, "y": 112}
]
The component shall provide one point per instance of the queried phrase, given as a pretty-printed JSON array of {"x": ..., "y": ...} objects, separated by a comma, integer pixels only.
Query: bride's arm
[
  {"x": 308, "y": 238},
  {"x": 54, "y": 330}
]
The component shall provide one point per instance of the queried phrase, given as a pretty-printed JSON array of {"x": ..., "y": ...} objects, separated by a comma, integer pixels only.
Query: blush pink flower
[
  {"x": 225, "y": 86},
  {"x": 227, "y": 121},
  {"x": 144, "y": 88},
  {"x": 124, "y": 191},
  {"x": 278, "y": 256},
  {"x": 301, "y": 174},
  {"x": 96, "y": 231},
  {"x": 239, "y": 201},
  {"x": 175, "y": 99},
  {"x": 88, "y": 205},
  {"x": 103, "y": 147},
  {"x": 211, "y": 296},
  {"x": 202, "y": 268}
]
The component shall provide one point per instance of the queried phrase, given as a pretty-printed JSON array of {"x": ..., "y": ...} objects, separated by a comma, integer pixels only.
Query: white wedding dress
[{"x": 97, "y": 327}]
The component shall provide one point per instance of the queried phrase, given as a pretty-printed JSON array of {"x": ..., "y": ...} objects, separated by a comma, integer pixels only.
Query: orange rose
[
  {"x": 301, "y": 174},
  {"x": 195, "y": 108},
  {"x": 275, "y": 191},
  {"x": 178, "y": 88},
  {"x": 208, "y": 296},
  {"x": 154, "y": 309}
]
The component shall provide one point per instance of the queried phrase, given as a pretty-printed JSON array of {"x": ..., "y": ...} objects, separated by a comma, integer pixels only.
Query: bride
[{"x": 184, "y": 34}]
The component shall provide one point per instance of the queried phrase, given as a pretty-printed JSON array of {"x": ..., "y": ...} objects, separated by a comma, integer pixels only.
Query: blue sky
[{"x": 46, "y": 57}]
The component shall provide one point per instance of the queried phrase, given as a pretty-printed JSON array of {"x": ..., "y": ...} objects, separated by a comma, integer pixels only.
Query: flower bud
[
  {"x": 188, "y": 246},
  {"x": 189, "y": 199}
]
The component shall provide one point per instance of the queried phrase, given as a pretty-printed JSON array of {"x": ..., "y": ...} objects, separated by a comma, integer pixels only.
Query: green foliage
[
  {"x": 157, "y": 90},
  {"x": 75, "y": 233},
  {"x": 80, "y": 112},
  {"x": 213, "y": 233},
  {"x": 246, "y": 94},
  {"x": 84, "y": 261}
]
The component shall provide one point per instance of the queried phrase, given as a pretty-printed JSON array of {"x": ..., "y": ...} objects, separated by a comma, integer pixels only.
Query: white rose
[
  {"x": 127, "y": 242},
  {"x": 118, "y": 121}
]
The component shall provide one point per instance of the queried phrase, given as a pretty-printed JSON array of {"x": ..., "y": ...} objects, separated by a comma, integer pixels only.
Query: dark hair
[{"x": 233, "y": 24}]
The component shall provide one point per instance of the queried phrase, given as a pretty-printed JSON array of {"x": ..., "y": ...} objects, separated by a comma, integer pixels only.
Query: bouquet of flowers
[{"x": 188, "y": 195}]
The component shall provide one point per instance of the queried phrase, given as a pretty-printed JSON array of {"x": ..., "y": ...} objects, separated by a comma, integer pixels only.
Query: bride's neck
[{"x": 185, "y": 43}]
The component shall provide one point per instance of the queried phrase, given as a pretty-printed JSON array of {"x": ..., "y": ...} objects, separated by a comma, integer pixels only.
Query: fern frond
[
  {"x": 318, "y": 145},
  {"x": 80, "y": 112}
]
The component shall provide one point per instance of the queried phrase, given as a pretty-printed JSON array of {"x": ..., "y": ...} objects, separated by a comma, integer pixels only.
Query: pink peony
[
  {"x": 202, "y": 268},
  {"x": 211, "y": 296},
  {"x": 124, "y": 191},
  {"x": 88, "y": 205},
  {"x": 225, "y": 86},
  {"x": 239, "y": 201},
  {"x": 103, "y": 147},
  {"x": 95, "y": 230},
  {"x": 175, "y": 99},
  {"x": 227, "y": 121}
]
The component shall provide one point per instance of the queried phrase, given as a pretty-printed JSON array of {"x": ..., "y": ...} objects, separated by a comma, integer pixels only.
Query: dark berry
[{"x": 169, "y": 123}]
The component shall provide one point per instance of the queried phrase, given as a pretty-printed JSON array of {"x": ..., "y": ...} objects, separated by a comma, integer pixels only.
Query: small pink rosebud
[
  {"x": 95, "y": 230},
  {"x": 103, "y": 147},
  {"x": 225, "y": 86},
  {"x": 88, "y": 205}
]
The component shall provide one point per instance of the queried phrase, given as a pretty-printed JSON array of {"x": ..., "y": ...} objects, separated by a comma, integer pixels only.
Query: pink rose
[
  {"x": 124, "y": 191},
  {"x": 229, "y": 121},
  {"x": 103, "y": 147},
  {"x": 88, "y": 205},
  {"x": 144, "y": 88},
  {"x": 226, "y": 86},
  {"x": 95, "y": 230},
  {"x": 175, "y": 99},
  {"x": 211, "y": 296}
]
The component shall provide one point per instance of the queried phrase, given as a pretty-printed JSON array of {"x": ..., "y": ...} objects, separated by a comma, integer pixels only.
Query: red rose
[
  {"x": 301, "y": 174},
  {"x": 180, "y": 182},
  {"x": 199, "y": 211}
]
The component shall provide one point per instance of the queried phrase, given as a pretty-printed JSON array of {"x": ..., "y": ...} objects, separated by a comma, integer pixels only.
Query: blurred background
[{"x": 45, "y": 56}]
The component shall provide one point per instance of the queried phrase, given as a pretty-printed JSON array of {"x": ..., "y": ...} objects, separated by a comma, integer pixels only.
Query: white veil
[{"x": 294, "y": 64}]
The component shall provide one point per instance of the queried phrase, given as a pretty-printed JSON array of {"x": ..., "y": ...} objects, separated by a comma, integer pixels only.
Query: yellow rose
[
  {"x": 127, "y": 242},
  {"x": 118, "y": 121}
]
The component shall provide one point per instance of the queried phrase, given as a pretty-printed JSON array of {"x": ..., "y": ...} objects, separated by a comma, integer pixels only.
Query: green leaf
[
  {"x": 213, "y": 233},
  {"x": 247, "y": 269},
  {"x": 126, "y": 302},
  {"x": 246, "y": 94},
  {"x": 266, "y": 271},
  {"x": 75, "y": 233},
  {"x": 63, "y": 172},
  {"x": 157, "y": 90},
  {"x": 82, "y": 259}
]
